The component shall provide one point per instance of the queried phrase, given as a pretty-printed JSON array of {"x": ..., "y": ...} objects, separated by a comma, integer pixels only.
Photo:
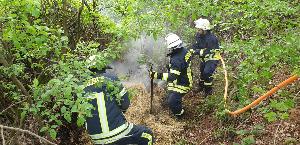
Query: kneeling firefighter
[
  {"x": 179, "y": 75},
  {"x": 108, "y": 125}
]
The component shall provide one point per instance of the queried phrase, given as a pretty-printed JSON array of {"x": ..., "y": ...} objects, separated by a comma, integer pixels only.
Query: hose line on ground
[{"x": 258, "y": 100}]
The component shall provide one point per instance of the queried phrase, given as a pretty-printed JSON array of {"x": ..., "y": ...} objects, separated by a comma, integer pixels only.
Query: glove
[{"x": 152, "y": 74}]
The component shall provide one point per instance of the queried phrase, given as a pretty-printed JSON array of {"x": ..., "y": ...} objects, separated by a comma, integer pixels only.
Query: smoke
[{"x": 134, "y": 65}]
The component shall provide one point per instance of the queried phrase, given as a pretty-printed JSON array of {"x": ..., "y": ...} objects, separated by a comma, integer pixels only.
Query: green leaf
[
  {"x": 23, "y": 115},
  {"x": 284, "y": 115},
  {"x": 290, "y": 103},
  {"x": 58, "y": 122},
  {"x": 242, "y": 132},
  {"x": 63, "y": 109},
  {"x": 80, "y": 120},
  {"x": 67, "y": 116},
  {"x": 43, "y": 129},
  {"x": 271, "y": 116},
  {"x": 74, "y": 108},
  {"x": 52, "y": 133},
  {"x": 54, "y": 126},
  {"x": 248, "y": 140}
]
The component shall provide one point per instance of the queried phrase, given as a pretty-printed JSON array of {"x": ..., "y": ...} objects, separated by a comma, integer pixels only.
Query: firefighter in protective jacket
[
  {"x": 208, "y": 46},
  {"x": 179, "y": 75},
  {"x": 108, "y": 125}
]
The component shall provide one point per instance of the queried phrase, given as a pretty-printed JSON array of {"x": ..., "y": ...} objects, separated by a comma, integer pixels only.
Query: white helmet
[
  {"x": 202, "y": 24},
  {"x": 172, "y": 40}
]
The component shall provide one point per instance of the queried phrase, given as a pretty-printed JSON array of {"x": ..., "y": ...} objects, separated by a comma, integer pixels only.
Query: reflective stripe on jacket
[
  {"x": 107, "y": 123},
  {"x": 179, "y": 77},
  {"x": 208, "y": 45}
]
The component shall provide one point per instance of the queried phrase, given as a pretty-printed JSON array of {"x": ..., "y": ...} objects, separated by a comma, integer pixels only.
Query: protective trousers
[
  {"x": 207, "y": 68},
  {"x": 139, "y": 135},
  {"x": 175, "y": 102}
]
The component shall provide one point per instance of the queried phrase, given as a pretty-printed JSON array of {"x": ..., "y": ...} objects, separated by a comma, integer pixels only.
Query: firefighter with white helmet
[
  {"x": 208, "y": 45},
  {"x": 179, "y": 75}
]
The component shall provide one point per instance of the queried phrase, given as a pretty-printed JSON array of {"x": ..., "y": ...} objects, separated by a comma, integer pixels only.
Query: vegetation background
[{"x": 44, "y": 45}]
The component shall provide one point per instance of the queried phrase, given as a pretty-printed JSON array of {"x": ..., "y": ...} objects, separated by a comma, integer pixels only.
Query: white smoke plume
[{"x": 134, "y": 65}]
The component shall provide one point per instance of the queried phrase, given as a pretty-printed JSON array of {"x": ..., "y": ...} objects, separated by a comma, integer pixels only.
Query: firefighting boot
[
  {"x": 208, "y": 90},
  {"x": 201, "y": 86}
]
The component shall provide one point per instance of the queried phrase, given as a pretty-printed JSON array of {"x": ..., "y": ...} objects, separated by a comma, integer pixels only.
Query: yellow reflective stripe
[
  {"x": 102, "y": 112},
  {"x": 115, "y": 138},
  {"x": 165, "y": 76},
  {"x": 173, "y": 71},
  {"x": 181, "y": 112},
  {"x": 147, "y": 136},
  {"x": 155, "y": 75},
  {"x": 94, "y": 81},
  {"x": 111, "y": 133},
  {"x": 176, "y": 90},
  {"x": 179, "y": 87},
  {"x": 208, "y": 84},
  {"x": 189, "y": 74},
  {"x": 215, "y": 50},
  {"x": 211, "y": 59},
  {"x": 201, "y": 52},
  {"x": 123, "y": 92},
  {"x": 188, "y": 55},
  {"x": 217, "y": 56}
]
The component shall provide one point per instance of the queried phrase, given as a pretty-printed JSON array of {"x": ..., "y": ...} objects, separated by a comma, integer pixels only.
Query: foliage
[
  {"x": 257, "y": 64},
  {"x": 44, "y": 45},
  {"x": 278, "y": 109},
  {"x": 248, "y": 140},
  {"x": 43, "y": 58}
]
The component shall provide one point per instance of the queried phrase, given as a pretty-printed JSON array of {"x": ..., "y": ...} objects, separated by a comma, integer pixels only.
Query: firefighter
[
  {"x": 179, "y": 75},
  {"x": 108, "y": 125},
  {"x": 208, "y": 46}
]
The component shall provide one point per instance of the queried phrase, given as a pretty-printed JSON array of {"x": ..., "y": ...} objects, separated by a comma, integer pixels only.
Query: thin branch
[
  {"x": 15, "y": 80},
  {"x": 2, "y": 135},
  {"x": 10, "y": 106},
  {"x": 28, "y": 132}
]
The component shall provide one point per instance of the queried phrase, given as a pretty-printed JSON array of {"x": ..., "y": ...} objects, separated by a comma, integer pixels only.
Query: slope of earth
[{"x": 201, "y": 124}]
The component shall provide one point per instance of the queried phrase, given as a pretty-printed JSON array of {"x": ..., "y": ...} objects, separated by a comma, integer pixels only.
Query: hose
[{"x": 258, "y": 100}]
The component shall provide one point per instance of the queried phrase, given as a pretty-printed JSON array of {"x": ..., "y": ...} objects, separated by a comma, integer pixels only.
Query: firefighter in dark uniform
[
  {"x": 179, "y": 75},
  {"x": 208, "y": 46},
  {"x": 108, "y": 125}
]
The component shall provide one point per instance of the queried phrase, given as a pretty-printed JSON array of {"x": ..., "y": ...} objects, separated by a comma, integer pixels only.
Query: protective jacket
[
  {"x": 208, "y": 45},
  {"x": 107, "y": 123},
  {"x": 179, "y": 75}
]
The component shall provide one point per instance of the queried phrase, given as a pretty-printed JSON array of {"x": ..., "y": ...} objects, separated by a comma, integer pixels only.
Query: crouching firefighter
[
  {"x": 208, "y": 46},
  {"x": 179, "y": 75},
  {"x": 108, "y": 124}
]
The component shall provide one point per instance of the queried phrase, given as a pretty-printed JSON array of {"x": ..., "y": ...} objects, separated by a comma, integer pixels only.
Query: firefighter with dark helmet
[
  {"x": 208, "y": 46},
  {"x": 108, "y": 125},
  {"x": 179, "y": 75}
]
